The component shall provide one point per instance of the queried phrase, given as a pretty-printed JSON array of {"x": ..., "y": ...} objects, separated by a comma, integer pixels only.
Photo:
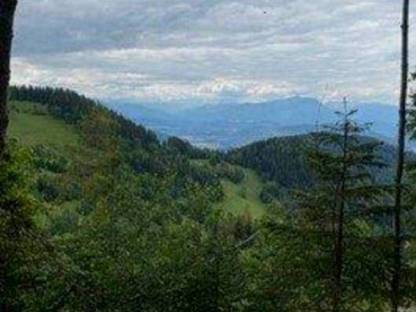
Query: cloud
[
  {"x": 103, "y": 83},
  {"x": 210, "y": 51}
]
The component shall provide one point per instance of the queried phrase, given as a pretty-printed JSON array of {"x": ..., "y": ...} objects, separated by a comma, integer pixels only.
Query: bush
[
  {"x": 270, "y": 192},
  {"x": 49, "y": 159},
  {"x": 234, "y": 174},
  {"x": 47, "y": 189}
]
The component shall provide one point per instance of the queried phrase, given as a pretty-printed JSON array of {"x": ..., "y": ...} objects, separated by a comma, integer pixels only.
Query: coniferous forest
[{"x": 98, "y": 213}]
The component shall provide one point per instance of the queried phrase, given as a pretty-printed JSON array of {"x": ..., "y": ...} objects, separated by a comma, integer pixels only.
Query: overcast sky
[{"x": 197, "y": 51}]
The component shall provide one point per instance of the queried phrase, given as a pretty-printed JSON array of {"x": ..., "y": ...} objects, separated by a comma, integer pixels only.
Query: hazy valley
[{"x": 226, "y": 126}]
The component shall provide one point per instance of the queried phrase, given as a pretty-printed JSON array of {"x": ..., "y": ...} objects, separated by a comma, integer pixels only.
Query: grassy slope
[
  {"x": 244, "y": 197},
  {"x": 31, "y": 125}
]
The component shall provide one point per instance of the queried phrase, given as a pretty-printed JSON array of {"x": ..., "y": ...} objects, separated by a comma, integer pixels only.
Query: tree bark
[
  {"x": 397, "y": 255},
  {"x": 7, "y": 11},
  {"x": 340, "y": 222}
]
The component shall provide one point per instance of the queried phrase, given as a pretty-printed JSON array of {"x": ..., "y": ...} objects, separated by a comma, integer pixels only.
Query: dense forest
[
  {"x": 105, "y": 217},
  {"x": 282, "y": 161}
]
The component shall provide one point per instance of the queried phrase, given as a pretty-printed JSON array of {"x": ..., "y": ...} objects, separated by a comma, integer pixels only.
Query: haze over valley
[{"x": 229, "y": 125}]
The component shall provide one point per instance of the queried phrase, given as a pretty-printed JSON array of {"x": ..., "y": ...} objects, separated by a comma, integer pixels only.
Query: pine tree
[{"x": 342, "y": 161}]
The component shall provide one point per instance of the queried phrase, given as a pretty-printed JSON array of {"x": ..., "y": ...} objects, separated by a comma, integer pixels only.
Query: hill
[
  {"x": 60, "y": 129},
  {"x": 117, "y": 209},
  {"x": 283, "y": 160}
]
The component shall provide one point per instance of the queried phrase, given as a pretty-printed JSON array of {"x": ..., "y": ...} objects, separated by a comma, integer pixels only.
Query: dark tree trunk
[
  {"x": 397, "y": 256},
  {"x": 340, "y": 220},
  {"x": 339, "y": 258},
  {"x": 7, "y": 10}
]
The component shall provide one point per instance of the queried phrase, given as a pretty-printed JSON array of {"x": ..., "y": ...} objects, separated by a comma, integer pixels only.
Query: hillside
[
  {"x": 283, "y": 160},
  {"x": 111, "y": 198},
  {"x": 278, "y": 160},
  {"x": 244, "y": 197},
  {"x": 33, "y": 125},
  {"x": 29, "y": 122}
]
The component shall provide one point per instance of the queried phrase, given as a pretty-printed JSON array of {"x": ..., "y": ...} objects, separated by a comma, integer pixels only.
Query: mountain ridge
[{"x": 231, "y": 125}]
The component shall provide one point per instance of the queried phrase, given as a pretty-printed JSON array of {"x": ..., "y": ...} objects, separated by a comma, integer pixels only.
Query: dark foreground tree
[
  {"x": 336, "y": 209},
  {"x": 7, "y": 10},
  {"x": 396, "y": 279}
]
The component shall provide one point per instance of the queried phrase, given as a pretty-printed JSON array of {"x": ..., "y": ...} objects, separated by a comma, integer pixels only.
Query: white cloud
[{"x": 198, "y": 50}]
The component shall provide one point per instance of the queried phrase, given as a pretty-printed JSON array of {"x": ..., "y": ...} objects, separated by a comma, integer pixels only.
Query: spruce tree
[{"x": 342, "y": 161}]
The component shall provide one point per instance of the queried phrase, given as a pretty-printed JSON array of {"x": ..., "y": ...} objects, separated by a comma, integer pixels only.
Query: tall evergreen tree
[
  {"x": 7, "y": 10},
  {"x": 341, "y": 160},
  {"x": 396, "y": 279}
]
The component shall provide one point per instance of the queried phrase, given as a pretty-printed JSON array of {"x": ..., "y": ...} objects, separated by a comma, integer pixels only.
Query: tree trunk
[
  {"x": 7, "y": 10},
  {"x": 397, "y": 256},
  {"x": 339, "y": 240}
]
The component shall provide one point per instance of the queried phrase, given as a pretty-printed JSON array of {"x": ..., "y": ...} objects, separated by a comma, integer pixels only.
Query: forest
[{"x": 98, "y": 213}]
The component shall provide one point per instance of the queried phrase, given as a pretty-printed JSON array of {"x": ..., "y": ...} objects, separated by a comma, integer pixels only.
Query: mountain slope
[
  {"x": 55, "y": 132},
  {"x": 125, "y": 222},
  {"x": 244, "y": 197},
  {"x": 32, "y": 125}
]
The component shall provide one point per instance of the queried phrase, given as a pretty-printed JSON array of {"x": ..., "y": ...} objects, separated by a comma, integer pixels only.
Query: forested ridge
[
  {"x": 283, "y": 160},
  {"x": 106, "y": 192}
]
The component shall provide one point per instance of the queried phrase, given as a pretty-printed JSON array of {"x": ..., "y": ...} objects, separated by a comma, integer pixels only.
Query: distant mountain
[
  {"x": 154, "y": 118},
  {"x": 286, "y": 112},
  {"x": 231, "y": 125}
]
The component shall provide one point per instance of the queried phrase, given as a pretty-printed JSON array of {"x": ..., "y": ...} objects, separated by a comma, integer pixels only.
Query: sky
[{"x": 210, "y": 51}]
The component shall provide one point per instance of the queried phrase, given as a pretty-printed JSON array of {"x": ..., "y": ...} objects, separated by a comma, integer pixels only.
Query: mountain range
[{"x": 231, "y": 125}]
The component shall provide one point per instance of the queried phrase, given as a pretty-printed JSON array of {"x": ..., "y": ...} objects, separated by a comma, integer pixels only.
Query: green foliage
[
  {"x": 281, "y": 160},
  {"x": 131, "y": 219},
  {"x": 232, "y": 173},
  {"x": 270, "y": 192},
  {"x": 46, "y": 158},
  {"x": 132, "y": 224},
  {"x": 335, "y": 212},
  {"x": 22, "y": 245}
]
